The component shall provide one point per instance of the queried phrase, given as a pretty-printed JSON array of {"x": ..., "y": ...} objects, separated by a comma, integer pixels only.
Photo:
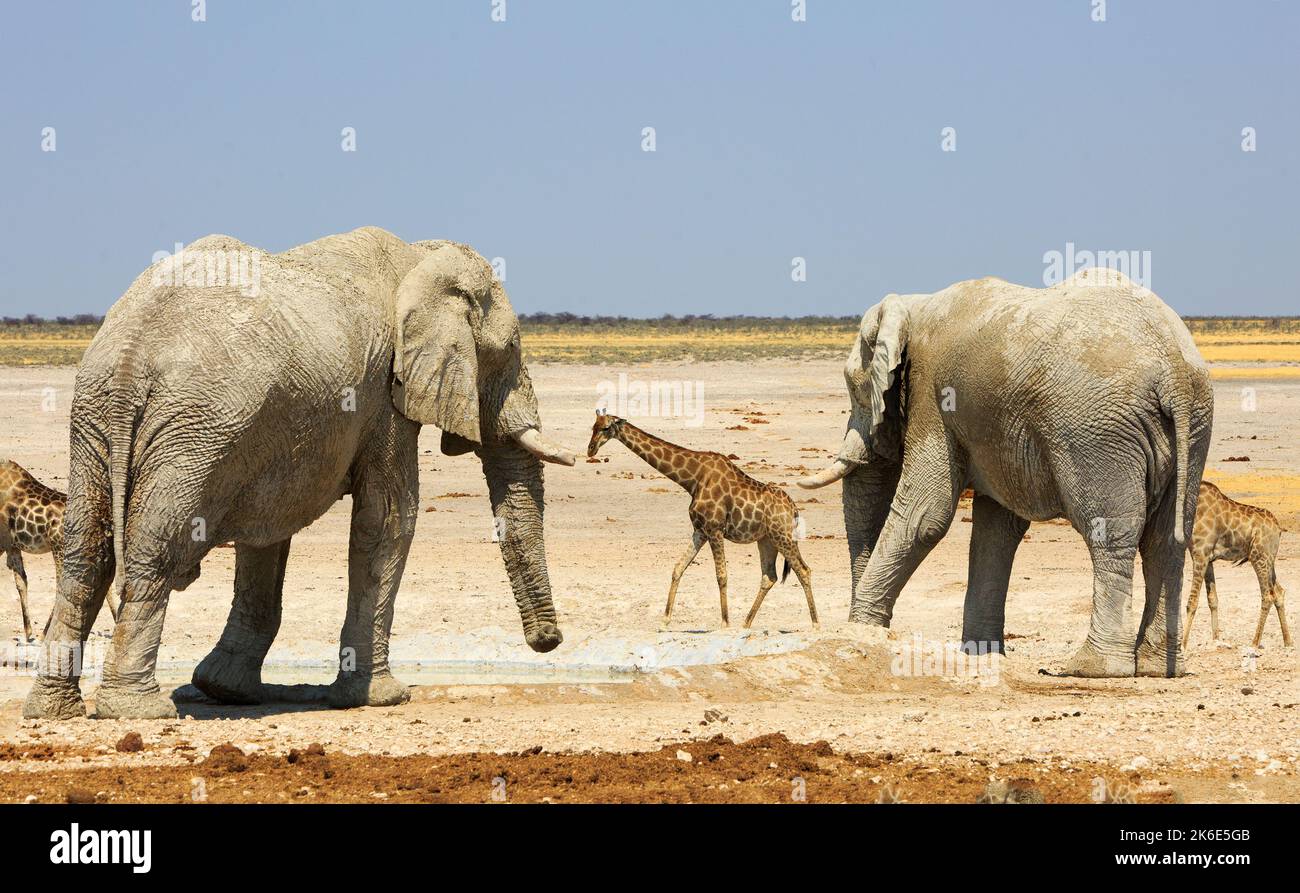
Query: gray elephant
[
  {"x": 209, "y": 411},
  {"x": 1086, "y": 400}
]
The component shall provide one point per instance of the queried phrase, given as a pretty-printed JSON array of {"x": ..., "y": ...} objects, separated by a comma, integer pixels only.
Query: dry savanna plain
[{"x": 627, "y": 710}]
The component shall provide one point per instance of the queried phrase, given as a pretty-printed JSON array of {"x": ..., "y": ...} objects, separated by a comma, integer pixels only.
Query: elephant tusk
[
  {"x": 531, "y": 439},
  {"x": 829, "y": 476}
]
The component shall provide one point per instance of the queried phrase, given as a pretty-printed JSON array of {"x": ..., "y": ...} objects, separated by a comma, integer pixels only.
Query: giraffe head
[{"x": 606, "y": 427}]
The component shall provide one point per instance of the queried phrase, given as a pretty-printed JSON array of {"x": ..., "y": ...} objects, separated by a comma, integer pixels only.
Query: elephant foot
[
  {"x": 230, "y": 677},
  {"x": 114, "y": 702},
  {"x": 1094, "y": 664},
  {"x": 356, "y": 690},
  {"x": 869, "y": 616},
  {"x": 979, "y": 647},
  {"x": 54, "y": 699},
  {"x": 1154, "y": 661}
]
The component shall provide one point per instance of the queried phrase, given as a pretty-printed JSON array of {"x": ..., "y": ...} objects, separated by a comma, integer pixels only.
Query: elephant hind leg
[
  {"x": 1108, "y": 650},
  {"x": 995, "y": 536},
  {"x": 232, "y": 671},
  {"x": 1159, "y": 649},
  {"x": 130, "y": 688},
  {"x": 85, "y": 574}
]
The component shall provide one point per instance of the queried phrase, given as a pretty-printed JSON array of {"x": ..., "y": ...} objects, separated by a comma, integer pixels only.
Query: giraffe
[
  {"x": 1230, "y": 530},
  {"x": 31, "y": 520},
  {"x": 726, "y": 504}
]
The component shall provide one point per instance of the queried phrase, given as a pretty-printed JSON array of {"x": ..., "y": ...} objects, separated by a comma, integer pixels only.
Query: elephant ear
[
  {"x": 435, "y": 361},
  {"x": 891, "y": 340}
]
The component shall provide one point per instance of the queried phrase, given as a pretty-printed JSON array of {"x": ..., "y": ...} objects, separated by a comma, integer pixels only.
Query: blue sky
[{"x": 774, "y": 139}]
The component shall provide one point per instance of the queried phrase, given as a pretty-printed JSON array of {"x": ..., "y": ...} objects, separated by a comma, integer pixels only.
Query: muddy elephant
[
  {"x": 209, "y": 410},
  {"x": 1086, "y": 401}
]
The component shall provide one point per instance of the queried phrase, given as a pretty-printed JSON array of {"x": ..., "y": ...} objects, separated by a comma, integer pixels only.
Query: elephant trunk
[
  {"x": 853, "y": 453},
  {"x": 514, "y": 479},
  {"x": 868, "y": 493}
]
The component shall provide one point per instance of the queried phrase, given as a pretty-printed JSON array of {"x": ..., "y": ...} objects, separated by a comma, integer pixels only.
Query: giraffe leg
[
  {"x": 720, "y": 565},
  {"x": 766, "y": 558},
  {"x": 1199, "y": 568},
  {"x": 804, "y": 573},
  {"x": 57, "y": 552},
  {"x": 1212, "y": 598},
  {"x": 14, "y": 559},
  {"x": 697, "y": 543},
  {"x": 1279, "y": 605},
  {"x": 1264, "y": 573}
]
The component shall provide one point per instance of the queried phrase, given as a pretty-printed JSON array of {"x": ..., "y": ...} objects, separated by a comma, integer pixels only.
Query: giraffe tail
[{"x": 785, "y": 568}]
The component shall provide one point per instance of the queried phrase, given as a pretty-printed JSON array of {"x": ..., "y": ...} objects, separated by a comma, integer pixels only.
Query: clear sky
[{"x": 774, "y": 139}]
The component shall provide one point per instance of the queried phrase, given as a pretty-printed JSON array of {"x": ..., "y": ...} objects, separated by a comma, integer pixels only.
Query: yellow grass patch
[
  {"x": 639, "y": 342},
  {"x": 1273, "y": 342},
  {"x": 44, "y": 344},
  {"x": 1252, "y": 352},
  {"x": 1234, "y": 373}
]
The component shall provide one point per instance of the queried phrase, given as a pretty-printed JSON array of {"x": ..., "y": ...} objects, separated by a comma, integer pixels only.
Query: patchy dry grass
[
  {"x": 1271, "y": 345},
  {"x": 44, "y": 344},
  {"x": 634, "y": 342}
]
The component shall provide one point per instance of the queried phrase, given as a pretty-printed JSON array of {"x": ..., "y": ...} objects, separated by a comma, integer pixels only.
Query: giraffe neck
[{"x": 659, "y": 453}]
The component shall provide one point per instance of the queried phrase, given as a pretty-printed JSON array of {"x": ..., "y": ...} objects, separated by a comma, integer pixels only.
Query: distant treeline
[
  {"x": 31, "y": 319},
  {"x": 693, "y": 320}
]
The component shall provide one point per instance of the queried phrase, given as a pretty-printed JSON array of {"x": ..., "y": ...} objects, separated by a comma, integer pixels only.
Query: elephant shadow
[{"x": 277, "y": 699}]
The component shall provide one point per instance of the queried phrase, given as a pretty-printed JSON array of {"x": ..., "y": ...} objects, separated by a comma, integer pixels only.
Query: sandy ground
[{"x": 1226, "y": 732}]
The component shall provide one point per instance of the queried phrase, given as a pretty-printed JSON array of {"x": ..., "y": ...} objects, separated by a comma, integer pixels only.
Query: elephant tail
[
  {"x": 1178, "y": 411},
  {"x": 121, "y": 434}
]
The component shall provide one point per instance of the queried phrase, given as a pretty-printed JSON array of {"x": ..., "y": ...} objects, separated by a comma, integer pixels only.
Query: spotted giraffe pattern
[
  {"x": 32, "y": 516},
  {"x": 726, "y": 504},
  {"x": 1232, "y": 531}
]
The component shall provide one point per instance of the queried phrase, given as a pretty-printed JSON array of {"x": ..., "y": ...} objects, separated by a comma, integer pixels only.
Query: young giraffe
[
  {"x": 726, "y": 504},
  {"x": 1236, "y": 532},
  {"x": 31, "y": 520}
]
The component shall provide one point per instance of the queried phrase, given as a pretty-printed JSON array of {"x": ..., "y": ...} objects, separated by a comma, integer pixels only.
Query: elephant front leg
[
  {"x": 232, "y": 671},
  {"x": 383, "y": 523},
  {"x": 919, "y": 516},
  {"x": 996, "y": 534}
]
